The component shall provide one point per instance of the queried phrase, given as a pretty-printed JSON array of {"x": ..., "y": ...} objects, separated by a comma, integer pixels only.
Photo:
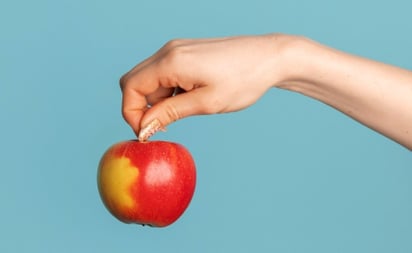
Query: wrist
[
  {"x": 289, "y": 55},
  {"x": 305, "y": 66}
]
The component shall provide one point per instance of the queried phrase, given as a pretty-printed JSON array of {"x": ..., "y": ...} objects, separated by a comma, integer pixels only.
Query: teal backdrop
[{"x": 310, "y": 179}]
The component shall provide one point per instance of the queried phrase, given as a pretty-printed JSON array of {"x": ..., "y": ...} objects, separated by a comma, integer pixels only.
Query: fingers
[
  {"x": 160, "y": 94},
  {"x": 141, "y": 87},
  {"x": 195, "y": 102},
  {"x": 133, "y": 107},
  {"x": 153, "y": 81},
  {"x": 135, "y": 89}
]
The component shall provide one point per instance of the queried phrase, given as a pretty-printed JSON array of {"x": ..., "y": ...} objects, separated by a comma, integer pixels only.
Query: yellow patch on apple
[{"x": 116, "y": 177}]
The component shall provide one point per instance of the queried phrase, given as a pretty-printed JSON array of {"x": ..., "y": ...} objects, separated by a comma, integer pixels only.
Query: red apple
[{"x": 148, "y": 183}]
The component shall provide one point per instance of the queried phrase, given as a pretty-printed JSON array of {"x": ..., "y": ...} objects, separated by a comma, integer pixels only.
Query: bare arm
[
  {"x": 373, "y": 93},
  {"x": 228, "y": 74}
]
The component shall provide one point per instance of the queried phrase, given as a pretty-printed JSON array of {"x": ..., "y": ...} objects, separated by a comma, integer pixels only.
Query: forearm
[{"x": 375, "y": 94}]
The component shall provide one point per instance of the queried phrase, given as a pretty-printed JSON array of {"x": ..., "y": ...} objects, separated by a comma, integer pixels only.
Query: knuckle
[
  {"x": 176, "y": 56},
  {"x": 123, "y": 81},
  {"x": 173, "y": 43},
  {"x": 126, "y": 115},
  {"x": 172, "y": 113}
]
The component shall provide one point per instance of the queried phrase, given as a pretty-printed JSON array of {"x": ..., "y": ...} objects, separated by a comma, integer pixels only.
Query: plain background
[{"x": 309, "y": 179}]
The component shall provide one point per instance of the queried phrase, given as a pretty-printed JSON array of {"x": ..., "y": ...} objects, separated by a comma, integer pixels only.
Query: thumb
[{"x": 194, "y": 102}]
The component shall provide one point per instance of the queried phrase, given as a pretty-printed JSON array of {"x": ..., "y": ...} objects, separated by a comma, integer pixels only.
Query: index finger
[
  {"x": 135, "y": 88},
  {"x": 134, "y": 105}
]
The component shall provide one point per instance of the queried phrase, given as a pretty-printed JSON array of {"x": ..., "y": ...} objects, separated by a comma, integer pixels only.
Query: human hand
[{"x": 199, "y": 76}]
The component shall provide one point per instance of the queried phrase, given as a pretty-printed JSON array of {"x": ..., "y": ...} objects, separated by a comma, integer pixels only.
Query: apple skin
[{"x": 148, "y": 183}]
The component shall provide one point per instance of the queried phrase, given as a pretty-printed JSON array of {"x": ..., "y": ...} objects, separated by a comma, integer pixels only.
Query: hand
[
  {"x": 207, "y": 76},
  {"x": 228, "y": 74}
]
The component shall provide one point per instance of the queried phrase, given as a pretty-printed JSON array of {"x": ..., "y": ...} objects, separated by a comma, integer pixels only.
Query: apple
[{"x": 148, "y": 183}]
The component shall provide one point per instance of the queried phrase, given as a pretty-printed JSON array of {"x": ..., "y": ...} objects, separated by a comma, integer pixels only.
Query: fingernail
[{"x": 149, "y": 130}]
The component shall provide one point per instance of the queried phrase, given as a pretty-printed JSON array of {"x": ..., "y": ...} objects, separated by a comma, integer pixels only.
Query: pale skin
[{"x": 222, "y": 75}]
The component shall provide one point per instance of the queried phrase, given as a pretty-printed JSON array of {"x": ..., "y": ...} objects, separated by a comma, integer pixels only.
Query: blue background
[{"x": 311, "y": 180}]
